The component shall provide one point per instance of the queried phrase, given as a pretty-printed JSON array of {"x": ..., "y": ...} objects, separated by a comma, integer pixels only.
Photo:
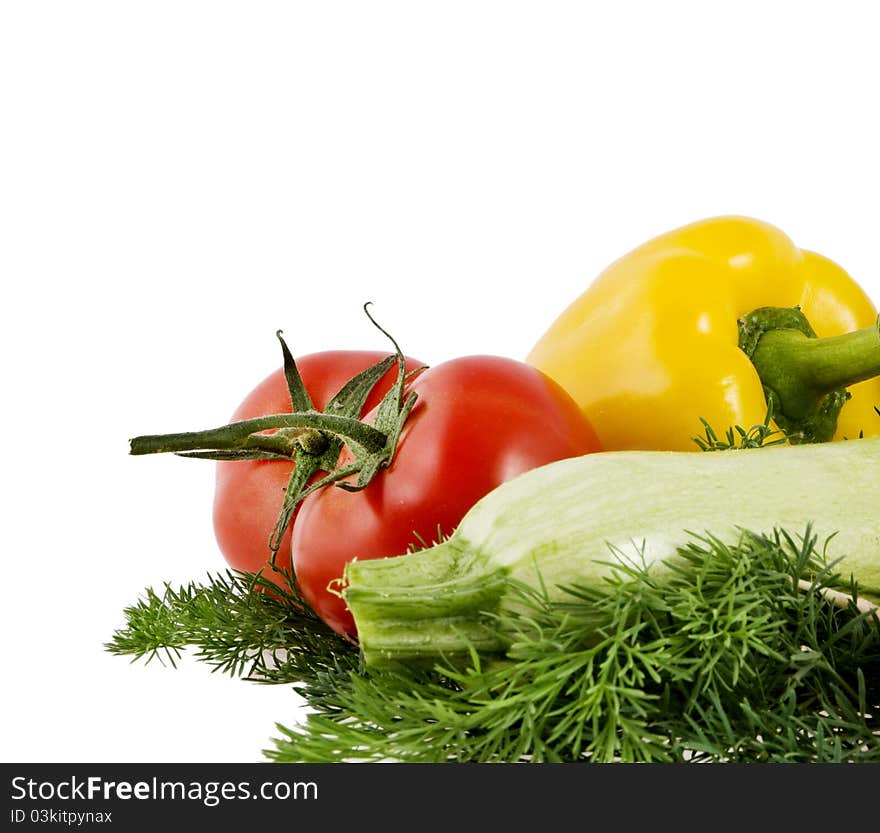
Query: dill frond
[
  {"x": 239, "y": 623},
  {"x": 727, "y": 659},
  {"x": 726, "y": 662}
]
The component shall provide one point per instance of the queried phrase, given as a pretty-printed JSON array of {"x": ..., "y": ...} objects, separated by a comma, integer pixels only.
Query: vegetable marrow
[{"x": 570, "y": 522}]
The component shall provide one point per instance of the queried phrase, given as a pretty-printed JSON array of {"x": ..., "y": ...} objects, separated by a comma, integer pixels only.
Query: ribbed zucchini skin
[{"x": 564, "y": 517}]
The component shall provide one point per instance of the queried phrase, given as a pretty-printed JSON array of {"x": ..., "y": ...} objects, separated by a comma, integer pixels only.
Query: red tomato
[
  {"x": 478, "y": 421},
  {"x": 248, "y": 494}
]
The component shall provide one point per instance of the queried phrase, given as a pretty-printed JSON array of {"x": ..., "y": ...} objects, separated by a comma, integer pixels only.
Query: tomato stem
[
  {"x": 245, "y": 434},
  {"x": 309, "y": 439}
]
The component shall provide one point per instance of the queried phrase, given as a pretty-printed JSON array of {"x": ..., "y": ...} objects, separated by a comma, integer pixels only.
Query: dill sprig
[
  {"x": 239, "y": 623},
  {"x": 757, "y": 436},
  {"x": 727, "y": 661}
]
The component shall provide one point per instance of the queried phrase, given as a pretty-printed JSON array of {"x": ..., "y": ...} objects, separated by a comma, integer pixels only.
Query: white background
[{"x": 180, "y": 179}]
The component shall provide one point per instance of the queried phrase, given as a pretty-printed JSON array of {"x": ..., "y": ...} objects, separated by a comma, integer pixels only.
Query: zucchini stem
[{"x": 440, "y": 599}]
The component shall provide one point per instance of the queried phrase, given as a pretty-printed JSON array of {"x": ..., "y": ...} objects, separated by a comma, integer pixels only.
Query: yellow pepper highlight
[{"x": 652, "y": 345}]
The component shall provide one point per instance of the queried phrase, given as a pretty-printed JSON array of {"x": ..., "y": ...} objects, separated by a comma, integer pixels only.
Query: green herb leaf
[
  {"x": 738, "y": 657},
  {"x": 727, "y": 662},
  {"x": 757, "y": 436},
  {"x": 240, "y": 624}
]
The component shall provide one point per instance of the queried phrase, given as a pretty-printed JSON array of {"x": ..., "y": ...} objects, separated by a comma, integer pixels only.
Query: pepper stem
[{"x": 805, "y": 377}]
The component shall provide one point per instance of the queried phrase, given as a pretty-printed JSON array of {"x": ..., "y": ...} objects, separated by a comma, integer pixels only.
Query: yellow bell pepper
[{"x": 724, "y": 320}]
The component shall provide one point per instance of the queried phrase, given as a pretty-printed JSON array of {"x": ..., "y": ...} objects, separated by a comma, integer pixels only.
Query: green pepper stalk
[{"x": 805, "y": 378}]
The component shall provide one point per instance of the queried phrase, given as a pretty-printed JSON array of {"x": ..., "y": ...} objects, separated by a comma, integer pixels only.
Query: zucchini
[{"x": 575, "y": 521}]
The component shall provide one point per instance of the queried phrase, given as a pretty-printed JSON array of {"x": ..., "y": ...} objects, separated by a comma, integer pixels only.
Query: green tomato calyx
[{"x": 313, "y": 440}]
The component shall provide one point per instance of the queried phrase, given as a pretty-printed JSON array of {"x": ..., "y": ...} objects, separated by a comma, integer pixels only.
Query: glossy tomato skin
[
  {"x": 478, "y": 422},
  {"x": 248, "y": 494}
]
